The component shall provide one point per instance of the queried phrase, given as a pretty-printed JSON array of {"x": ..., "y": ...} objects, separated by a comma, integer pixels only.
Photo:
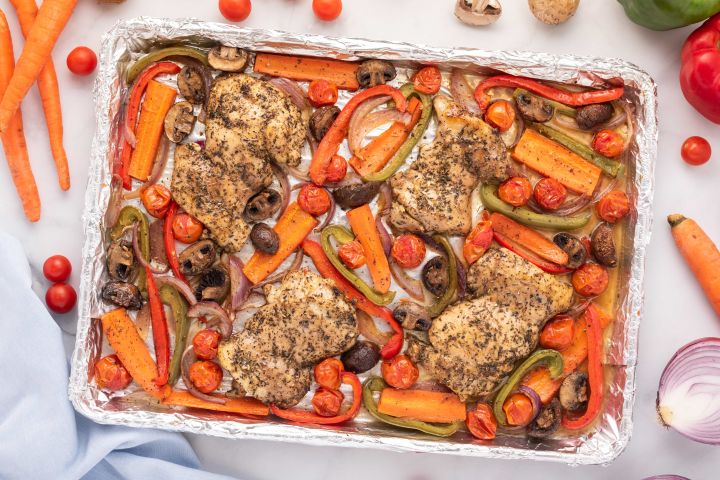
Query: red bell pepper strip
[
  {"x": 700, "y": 71},
  {"x": 304, "y": 416},
  {"x": 573, "y": 99},
  {"x": 542, "y": 264},
  {"x": 161, "y": 338},
  {"x": 339, "y": 129},
  {"x": 327, "y": 270},
  {"x": 169, "y": 240},
  {"x": 133, "y": 109}
]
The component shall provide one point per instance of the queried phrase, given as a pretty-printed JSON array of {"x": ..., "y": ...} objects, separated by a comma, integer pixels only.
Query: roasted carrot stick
[
  {"x": 423, "y": 405},
  {"x": 338, "y": 72},
  {"x": 243, "y": 406},
  {"x": 528, "y": 238},
  {"x": 13, "y": 138},
  {"x": 363, "y": 225},
  {"x": 49, "y": 94}
]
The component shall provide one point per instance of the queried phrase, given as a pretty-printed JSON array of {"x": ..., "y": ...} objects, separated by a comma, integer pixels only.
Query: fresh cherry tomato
[
  {"x": 314, "y": 200},
  {"x": 327, "y": 9},
  {"x": 590, "y": 280},
  {"x": 206, "y": 376},
  {"x": 337, "y": 169},
  {"x": 111, "y": 374},
  {"x": 408, "y": 250},
  {"x": 57, "y": 268},
  {"x": 352, "y": 254},
  {"x": 558, "y": 333},
  {"x": 549, "y": 193},
  {"x": 321, "y": 92},
  {"x": 186, "y": 228},
  {"x": 81, "y": 61},
  {"x": 608, "y": 143},
  {"x": 696, "y": 150},
  {"x": 613, "y": 206},
  {"x": 481, "y": 422},
  {"x": 427, "y": 80},
  {"x": 400, "y": 372},
  {"x": 60, "y": 297},
  {"x": 328, "y": 373},
  {"x": 205, "y": 344},
  {"x": 500, "y": 115},
  {"x": 516, "y": 191},
  {"x": 478, "y": 241},
  {"x": 326, "y": 402},
  {"x": 518, "y": 409},
  {"x": 235, "y": 10},
  {"x": 156, "y": 200}
]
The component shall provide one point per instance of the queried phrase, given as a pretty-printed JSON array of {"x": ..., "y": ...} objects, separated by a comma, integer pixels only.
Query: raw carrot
[
  {"x": 13, "y": 138},
  {"x": 52, "y": 17},
  {"x": 528, "y": 238},
  {"x": 555, "y": 161},
  {"x": 49, "y": 94},
  {"x": 363, "y": 225},
  {"x": 423, "y": 405},
  {"x": 158, "y": 100},
  {"x": 292, "y": 228},
  {"x": 123, "y": 336},
  {"x": 338, "y": 72},
  {"x": 243, "y": 406},
  {"x": 700, "y": 253}
]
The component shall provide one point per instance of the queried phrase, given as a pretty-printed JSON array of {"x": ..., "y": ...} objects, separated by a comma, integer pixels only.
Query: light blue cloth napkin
[{"x": 41, "y": 436}]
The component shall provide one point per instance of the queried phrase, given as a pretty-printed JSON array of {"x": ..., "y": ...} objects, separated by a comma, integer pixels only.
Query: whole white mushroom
[{"x": 553, "y": 12}]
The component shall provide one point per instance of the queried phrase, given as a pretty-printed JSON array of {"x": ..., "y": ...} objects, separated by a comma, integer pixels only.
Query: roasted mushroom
[
  {"x": 590, "y": 116},
  {"x": 355, "y": 195},
  {"x": 179, "y": 122},
  {"x": 122, "y": 294},
  {"x": 191, "y": 84},
  {"x": 573, "y": 247},
  {"x": 263, "y": 205},
  {"x": 412, "y": 316},
  {"x": 120, "y": 260},
  {"x": 574, "y": 391},
  {"x": 321, "y": 120},
  {"x": 547, "y": 422},
  {"x": 228, "y": 59},
  {"x": 435, "y": 275},
  {"x": 214, "y": 284},
  {"x": 197, "y": 258},
  {"x": 553, "y": 12},
  {"x": 602, "y": 244},
  {"x": 265, "y": 238},
  {"x": 478, "y": 12},
  {"x": 372, "y": 73},
  {"x": 533, "y": 108},
  {"x": 361, "y": 357}
]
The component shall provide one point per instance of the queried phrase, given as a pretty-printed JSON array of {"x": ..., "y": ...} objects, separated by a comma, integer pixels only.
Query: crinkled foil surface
[{"x": 130, "y": 39}]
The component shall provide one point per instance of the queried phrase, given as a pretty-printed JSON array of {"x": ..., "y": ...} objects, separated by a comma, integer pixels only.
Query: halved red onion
[
  {"x": 139, "y": 256},
  {"x": 328, "y": 216},
  {"x": 215, "y": 315},
  {"x": 186, "y": 362},
  {"x": 385, "y": 238},
  {"x": 239, "y": 284},
  {"x": 688, "y": 398},
  {"x": 277, "y": 276},
  {"x": 114, "y": 202},
  {"x": 369, "y": 330},
  {"x": 358, "y": 117},
  {"x": 371, "y": 122},
  {"x": 179, "y": 285},
  {"x": 284, "y": 186},
  {"x": 461, "y": 91},
  {"x": 412, "y": 286},
  {"x": 534, "y": 399}
]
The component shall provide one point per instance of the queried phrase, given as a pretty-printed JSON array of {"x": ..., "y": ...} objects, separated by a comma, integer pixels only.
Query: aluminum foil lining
[{"x": 128, "y": 40}]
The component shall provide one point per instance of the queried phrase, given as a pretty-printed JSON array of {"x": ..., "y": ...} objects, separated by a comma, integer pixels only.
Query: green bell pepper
[
  {"x": 172, "y": 298},
  {"x": 669, "y": 14},
  {"x": 128, "y": 216},
  {"x": 437, "y": 308},
  {"x": 157, "y": 55},
  {"x": 559, "y": 107}
]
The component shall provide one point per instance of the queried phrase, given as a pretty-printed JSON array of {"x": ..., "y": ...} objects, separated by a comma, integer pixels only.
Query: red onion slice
[
  {"x": 328, "y": 216},
  {"x": 114, "y": 202},
  {"x": 369, "y": 330},
  {"x": 239, "y": 283},
  {"x": 187, "y": 360},
  {"x": 161, "y": 160},
  {"x": 461, "y": 278},
  {"x": 284, "y": 186},
  {"x": 297, "y": 173},
  {"x": 385, "y": 199},
  {"x": 142, "y": 321},
  {"x": 179, "y": 285},
  {"x": 371, "y": 122},
  {"x": 129, "y": 135},
  {"x": 412, "y": 286},
  {"x": 385, "y": 238},
  {"x": 534, "y": 399},
  {"x": 216, "y": 316},
  {"x": 139, "y": 256},
  {"x": 275, "y": 277},
  {"x": 358, "y": 118},
  {"x": 293, "y": 90},
  {"x": 461, "y": 91}
]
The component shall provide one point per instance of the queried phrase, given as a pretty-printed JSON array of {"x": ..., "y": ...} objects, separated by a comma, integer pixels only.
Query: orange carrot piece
[
  {"x": 243, "y": 406},
  {"x": 338, "y": 72},
  {"x": 123, "y": 336},
  {"x": 292, "y": 228},
  {"x": 424, "y": 405},
  {"x": 13, "y": 138},
  {"x": 555, "y": 161},
  {"x": 158, "y": 100},
  {"x": 528, "y": 238},
  {"x": 49, "y": 94},
  {"x": 363, "y": 225}
]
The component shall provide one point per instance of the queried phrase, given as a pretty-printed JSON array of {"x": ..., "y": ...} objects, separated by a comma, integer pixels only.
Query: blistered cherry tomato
[
  {"x": 206, "y": 376},
  {"x": 57, "y": 268},
  {"x": 478, "y": 241},
  {"x": 81, "y": 61},
  {"x": 205, "y": 344},
  {"x": 590, "y": 280},
  {"x": 328, "y": 373},
  {"x": 352, "y": 254},
  {"x": 326, "y": 402},
  {"x": 613, "y": 206},
  {"x": 427, "y": 80},
  {"x": 481, "y": 422},
  {"x": 500, "y": 115},
  {"x": 549, "y": 193},
  {"x": 696, "y": 150},
  {"x": 608, "y": 143},
  {"x": 337, "y": 169},
  {"x": 235, "y": 10},
  {"x": 518, "y": 409},
  {"x": 558, "y": 333},
  {"x": 516, "y": 191},
  {"x": 60, "y": 298},
  {"x": 408, "y": 250},
  {"x": 186, "y": 228},
  {"x": 321, "y": 92},
  {"x": 327, "y": 9},
  {"x": 111, "y": 374},
  {"x": 314, "y": 200},
  {"x": 156, "y": 200},
  {"x": 400, "y": 372}
]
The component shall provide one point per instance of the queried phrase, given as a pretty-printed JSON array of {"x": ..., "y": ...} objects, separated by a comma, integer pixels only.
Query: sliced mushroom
[
  {"x": 263, "y": 205},
  {"x": 602, "y": 244},
  {"x": 547, "y": 422},
  {"x": 191, "y": 84},
  {"x": 120, "y": 260},
  {"x": 478, "y": 12},
  {"x": 412, "y": 316},
  {"x": 357, "y": 194},
  {"x": 228, "y": 59},
  {"x": 122, "y": 294},
  {"x": 574, "y": 391},
  {"x": 197, "y": 258},
  {"x": 321, "y": 120},
  {"x": 590, "y": 116},
  {"x": 372, "y": 73},
  {"x": 214, "y": 284},
  {"x": 265, "y": 238},
  {"x": 553, "y": 12},
  {"x": 533, "y": 108},
  {"x": 573, "y": 247},
  {"x": 179, "y": 122},
  {"x": 436, "y": 276}
]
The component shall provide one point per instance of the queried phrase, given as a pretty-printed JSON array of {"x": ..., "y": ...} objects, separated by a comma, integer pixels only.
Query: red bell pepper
[
  {"x": 542, "y": 264},
  {"x": 161, "y": 338},
  {"x": 700, "y": 71},
  {"x": 169, "y": 240},
  {"x": 339, "y": 129}
]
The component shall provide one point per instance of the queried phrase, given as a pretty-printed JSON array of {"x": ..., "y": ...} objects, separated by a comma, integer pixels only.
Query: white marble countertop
[{"x": 675, "y": 309}]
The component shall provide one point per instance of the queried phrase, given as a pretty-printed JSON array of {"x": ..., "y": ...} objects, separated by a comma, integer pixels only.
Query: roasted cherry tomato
[
  {"x": 613, "y": 206},
  {"x": 500, "y": 115},
  {"x": 481, "y": 422},
  {"x": 326, "y": 402},
  {"x": 111, "y": 374},
  {"x": 516, "y": 191},
  {"x": 352, "y": 254},
  {"x": 400, "y": 372},
  {"x": 478, "y": 241},
  {"x": 408, "y": 250},
  {"x": 608, "y": 143},
  {"x": 590, "y": 280},
  {"x": 327, "y": 9},
  {"x": 60, "y": 298},
  {"x": 549, "y": 193},
  {"x": 156, "y": 200},
  {"x": 558, "y": 333},
  {"x": 205, "y": 344},
  {"x": 57, "y": 268},
  {"x": 81, "y": 61},
  {"x": 321, "y": 92},
  {"x": 328, "y": 373},
  {"x": 427, "y": 80},
  {"x": 314, "y": 200},
  {"x": 235, "y": 10},
  {"x": 696, "y": 150},
  {"x": 186, "y": 228},
  {"x": 337, "y": 169},
  {"x": 518, "y": 409},
  {"x": 206, "y": 376}
]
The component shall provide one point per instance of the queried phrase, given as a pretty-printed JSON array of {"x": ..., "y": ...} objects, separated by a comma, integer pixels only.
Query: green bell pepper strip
[
  {"x": 157, "y": 55},
  {"x": 554, "y": 362},
  {"x": 559, "y": 107},
  {"x": 608, "y": 165},
  {"x": 128, "y": 216},
  {"x": 377, "y": 384},
  {"x": 343, "y": 236},
  {"x": 407, "y": 147},
  {"x": 437, "y": 308},
  {"x": 490, "y": 200},
  {"x": 669, "y": 14},
  {"x": 172, "y": 298}
]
